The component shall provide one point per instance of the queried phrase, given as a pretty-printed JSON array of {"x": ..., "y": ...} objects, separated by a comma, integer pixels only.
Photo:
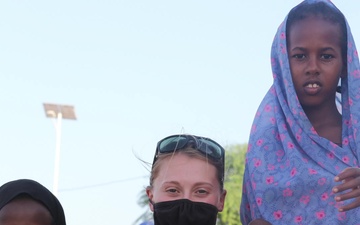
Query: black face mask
[{"x": 184, "y": 212}]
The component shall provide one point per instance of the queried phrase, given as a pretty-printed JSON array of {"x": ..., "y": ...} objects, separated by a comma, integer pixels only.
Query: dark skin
[
  {"x": 316, "y": 65},
  {"x": 349, "y": 189},
  {"x": 259, "y": 222},
  {"x": 327, "y": 122},
  {"x": 25, "y": 211}
]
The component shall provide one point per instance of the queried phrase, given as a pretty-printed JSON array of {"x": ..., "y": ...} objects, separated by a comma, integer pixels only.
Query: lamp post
[{"x": 58, "y": 112}]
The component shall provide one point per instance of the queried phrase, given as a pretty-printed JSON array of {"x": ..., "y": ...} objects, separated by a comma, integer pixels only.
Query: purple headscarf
[{"x": 290, "y": 169}]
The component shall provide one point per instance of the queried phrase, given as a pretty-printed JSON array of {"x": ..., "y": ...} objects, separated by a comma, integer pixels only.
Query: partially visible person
[
  {"x": 187, "y": 181},
  {"x": 259, "y": 222},
  {"x": 302, "y": 164},
  {"x": 27, "y": 202}
]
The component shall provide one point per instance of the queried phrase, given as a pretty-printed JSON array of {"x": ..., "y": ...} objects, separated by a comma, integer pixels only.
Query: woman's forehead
[{"x": 181, "y": 165}]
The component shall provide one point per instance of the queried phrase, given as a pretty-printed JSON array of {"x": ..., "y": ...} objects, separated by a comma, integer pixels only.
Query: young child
[
  {"x": 186, "y": 182},
  {"x": 28, "y": 202},
  {"x": 302, "y": 161}
]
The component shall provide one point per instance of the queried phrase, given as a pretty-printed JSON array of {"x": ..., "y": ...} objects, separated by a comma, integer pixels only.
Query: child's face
[
  {"x": 25, "y": 211},
  {"x": 184, "y": 177},
  {"x": 315, "y": 60}
]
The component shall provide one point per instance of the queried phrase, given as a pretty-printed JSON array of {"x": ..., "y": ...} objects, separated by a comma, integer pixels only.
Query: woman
[{"x": 186, "y": 182}]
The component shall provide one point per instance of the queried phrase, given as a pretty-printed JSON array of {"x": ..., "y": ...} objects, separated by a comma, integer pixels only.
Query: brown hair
[{"x": 191, "y": 152}]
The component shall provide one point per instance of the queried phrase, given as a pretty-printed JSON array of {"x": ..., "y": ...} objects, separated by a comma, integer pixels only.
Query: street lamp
[{"x": 58, "y": 112}]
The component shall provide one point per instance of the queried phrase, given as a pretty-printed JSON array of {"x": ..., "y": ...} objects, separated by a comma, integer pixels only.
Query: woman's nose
[{"x": 187, "y": 196}]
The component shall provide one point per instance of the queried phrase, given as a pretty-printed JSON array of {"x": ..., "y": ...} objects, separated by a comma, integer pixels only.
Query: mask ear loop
[{"x": 151, "y": 202}]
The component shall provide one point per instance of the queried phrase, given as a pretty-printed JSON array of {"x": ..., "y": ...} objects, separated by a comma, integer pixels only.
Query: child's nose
[{"x": 313, "y": 66}]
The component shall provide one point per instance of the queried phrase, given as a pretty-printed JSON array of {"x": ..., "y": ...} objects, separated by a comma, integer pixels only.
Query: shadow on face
[{"x": 25, "y": 211}]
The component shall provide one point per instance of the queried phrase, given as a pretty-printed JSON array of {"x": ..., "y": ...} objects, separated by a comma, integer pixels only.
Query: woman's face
[
  {"x": 184, "y": 177},
  {"x": 25, "y": 211}
]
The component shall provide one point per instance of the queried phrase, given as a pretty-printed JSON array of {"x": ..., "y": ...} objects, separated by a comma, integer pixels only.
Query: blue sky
[{"x": 136, "y": 71}]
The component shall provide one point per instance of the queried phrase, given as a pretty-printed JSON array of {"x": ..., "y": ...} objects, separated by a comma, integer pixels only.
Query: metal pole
[{"x": 57, "y": 154}]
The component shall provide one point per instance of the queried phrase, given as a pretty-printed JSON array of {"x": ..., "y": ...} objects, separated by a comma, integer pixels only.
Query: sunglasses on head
[{"x": 206, "y": 146}]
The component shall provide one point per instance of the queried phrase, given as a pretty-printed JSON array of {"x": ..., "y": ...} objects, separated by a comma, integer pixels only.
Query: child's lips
[{"x": 312, "y": 88}]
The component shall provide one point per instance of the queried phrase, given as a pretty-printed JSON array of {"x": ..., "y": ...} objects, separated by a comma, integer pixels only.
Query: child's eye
[
  {"x": 327, "y": 56},
  {"x": 299, "y": 56}
]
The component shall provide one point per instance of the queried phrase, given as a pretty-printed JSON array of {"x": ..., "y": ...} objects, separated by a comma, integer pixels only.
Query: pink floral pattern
[{"x": 290, "y": 170}]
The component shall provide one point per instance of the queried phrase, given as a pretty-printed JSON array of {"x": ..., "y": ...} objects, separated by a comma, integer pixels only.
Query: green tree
[
  {"x": 143, "y": 202},
  {"x": 234, "y": 165}
]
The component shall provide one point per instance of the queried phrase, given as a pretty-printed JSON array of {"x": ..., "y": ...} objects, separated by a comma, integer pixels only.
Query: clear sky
[{"x": 136, "y": 71}]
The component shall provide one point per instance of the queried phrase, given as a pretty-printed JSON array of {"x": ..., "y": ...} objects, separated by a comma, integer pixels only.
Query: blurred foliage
[
  {"x": 143, "y": 202},
  {"x": 234, "y": 169},
  {"x": 235, "y": 165}
]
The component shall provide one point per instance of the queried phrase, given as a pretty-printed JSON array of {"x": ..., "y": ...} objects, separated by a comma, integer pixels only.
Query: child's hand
[{"x": 350, "y": 178}]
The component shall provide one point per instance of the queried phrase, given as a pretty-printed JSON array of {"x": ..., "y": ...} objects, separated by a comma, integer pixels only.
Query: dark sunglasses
[{"x": 206, "y": 146}]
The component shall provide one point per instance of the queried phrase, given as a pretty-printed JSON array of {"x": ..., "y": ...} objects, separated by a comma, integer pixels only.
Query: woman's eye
[
  {"x": 171, "y": 190},
  {"x": 202, "y": 191}
]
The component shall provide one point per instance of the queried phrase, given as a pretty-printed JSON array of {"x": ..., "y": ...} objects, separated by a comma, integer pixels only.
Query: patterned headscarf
[
  {"x": 36, "y": 191},
  {"x": 290, "y": 169}
]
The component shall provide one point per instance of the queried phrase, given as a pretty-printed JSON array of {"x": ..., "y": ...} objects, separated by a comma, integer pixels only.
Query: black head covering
[{"x": 36, "y": 191}]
